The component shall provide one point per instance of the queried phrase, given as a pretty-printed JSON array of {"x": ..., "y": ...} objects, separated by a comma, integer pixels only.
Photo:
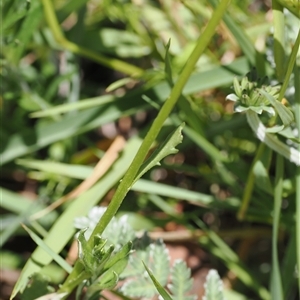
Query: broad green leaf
[{"x": 166, "y": 148}]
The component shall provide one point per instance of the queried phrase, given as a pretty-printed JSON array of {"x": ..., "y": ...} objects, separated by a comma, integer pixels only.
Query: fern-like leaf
[
  {"x": 139, "y": 287},
  {"x": 213, "y": 286},
  {"x": 160, "y": 265},
  {"x": 156, "y": 257},
  {"x": 181, "y": 281}
]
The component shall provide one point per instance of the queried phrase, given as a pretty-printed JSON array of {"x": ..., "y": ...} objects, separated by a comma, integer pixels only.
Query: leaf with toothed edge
[{"x": 165, "y": 149}]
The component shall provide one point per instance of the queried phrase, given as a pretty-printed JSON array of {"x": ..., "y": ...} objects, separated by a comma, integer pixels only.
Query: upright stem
[
  {"x": 276, "y": 283},
  {"x": 279, "y": 40},
  {"x": 250, "y": 184},
  {"x": 163, "y": 114},
  {"x": 297, "y": 113}
]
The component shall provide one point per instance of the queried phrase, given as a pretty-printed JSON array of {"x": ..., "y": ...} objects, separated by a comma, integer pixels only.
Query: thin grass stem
[
  {"x": 249, "y": 185},
  {"x": 276, "y": 282},
  {"x": 297, "y": 113}
]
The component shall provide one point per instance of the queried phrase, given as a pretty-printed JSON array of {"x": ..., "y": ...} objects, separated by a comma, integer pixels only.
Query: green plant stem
[
  {"x": 297, "y": 113},
  {"x": 112, "y": 63},
  {"x": 290, "y": 67},
  {"x": 292, "y": 154},
  {"x": 249, "y": 185},
  {"x": 276, "y": 283},
  {"x": 163, "y": 114},
  {"x": 279, "y": 39}
]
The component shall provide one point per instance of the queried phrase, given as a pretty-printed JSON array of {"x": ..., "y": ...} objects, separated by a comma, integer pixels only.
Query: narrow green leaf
[
  {"x": 166, "y": 148},
  {"x": 72, "y": 171},
  {"x": 158, "y": 286},
  {"x": 241, "y": 37},
  {"x": 80, "y": 105},
  {"x": 60, "y": 261},
  {"x": 29, "y": 25},
  {"x": 284, "y": 113},
  {"x": 119, "y": 83},
  {"x": 120, "y": 255},
  {"x": 168, "y": 65},
  {"x": 276, "y": 282}
]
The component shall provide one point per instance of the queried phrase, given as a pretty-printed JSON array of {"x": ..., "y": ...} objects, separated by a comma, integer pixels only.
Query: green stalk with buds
[{"x": 253, "y": 97}]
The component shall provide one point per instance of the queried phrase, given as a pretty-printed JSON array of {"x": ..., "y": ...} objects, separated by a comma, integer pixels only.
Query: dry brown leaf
[{"x": 100, "y": 169}]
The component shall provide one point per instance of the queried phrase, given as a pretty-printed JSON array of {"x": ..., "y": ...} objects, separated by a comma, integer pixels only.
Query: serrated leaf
[
  {"x": 160, "y": 264},
  {"x": 139, "y": 287},
  {"x": 142, "y": 252},
  {"x": 181, "y": 281},
  {"x": 158, "y": 286},
  {"x": 156, "y": 256},
  {"x": 135, "y": 266},
  {"x": 213, "y": 286},
  {"x": 165, "y": 149}
]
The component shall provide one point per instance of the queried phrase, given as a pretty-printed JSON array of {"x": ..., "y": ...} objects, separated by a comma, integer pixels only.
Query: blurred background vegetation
[{"x": 68, "y": 89}]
